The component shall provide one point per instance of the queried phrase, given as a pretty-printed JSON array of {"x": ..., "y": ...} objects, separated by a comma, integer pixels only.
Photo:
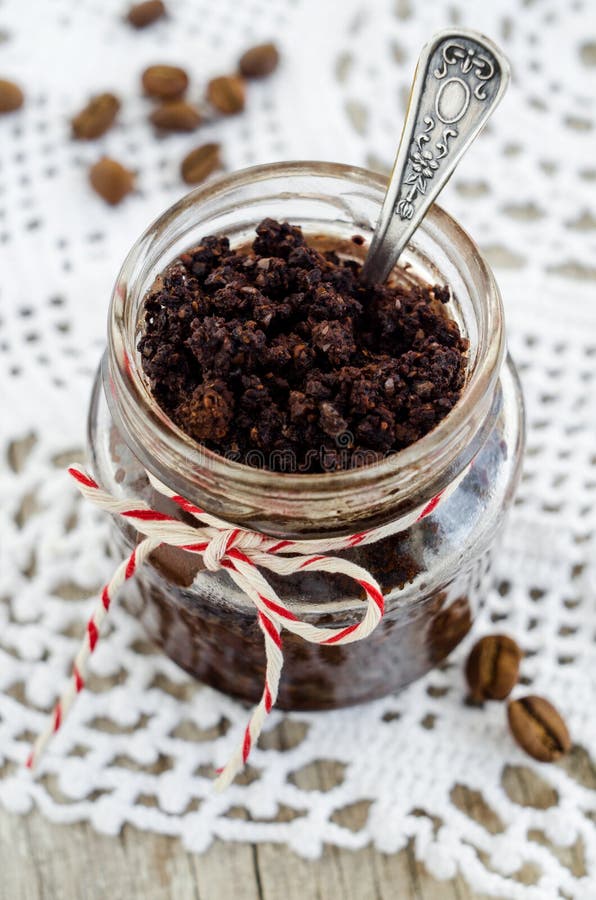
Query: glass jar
[{"x": 433, "y": 576}]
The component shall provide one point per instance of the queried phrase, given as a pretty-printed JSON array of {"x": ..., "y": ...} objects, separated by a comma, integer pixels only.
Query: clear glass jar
[{"x": 433, "y": 575}]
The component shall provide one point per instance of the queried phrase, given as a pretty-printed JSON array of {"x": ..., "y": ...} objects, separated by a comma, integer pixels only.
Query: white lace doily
[{"x": 140, "y": 746}]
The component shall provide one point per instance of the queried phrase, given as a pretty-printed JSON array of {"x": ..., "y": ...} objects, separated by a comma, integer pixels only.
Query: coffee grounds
[{"x": 278, "y": 357}]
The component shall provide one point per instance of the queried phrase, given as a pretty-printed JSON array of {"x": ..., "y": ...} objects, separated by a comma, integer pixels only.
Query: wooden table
[{"x": 72, "y": 862}]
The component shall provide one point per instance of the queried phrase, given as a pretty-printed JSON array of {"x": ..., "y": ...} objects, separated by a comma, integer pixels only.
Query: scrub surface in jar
[{"x": 277, "y": 356}]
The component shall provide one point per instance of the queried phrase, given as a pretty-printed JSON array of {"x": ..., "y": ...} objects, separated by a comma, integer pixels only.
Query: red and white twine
[{"x": 241, "y": 554}]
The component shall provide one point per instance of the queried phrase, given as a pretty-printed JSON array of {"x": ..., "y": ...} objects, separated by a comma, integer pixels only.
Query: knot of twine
[
  {"x": 241, "y": 554},
  {"x": 217, "y": 548}
]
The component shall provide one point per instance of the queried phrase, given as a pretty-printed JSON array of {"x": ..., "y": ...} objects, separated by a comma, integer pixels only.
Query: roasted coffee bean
[
  {"x": 200, "y": 163},
  {"x": 11, "y": 96},
  {"x": 95, "y": 118},
  {"x": 177, "y": 115},
  {"x": 227, "y": 94},
  {"x": 142, "y": 14},
  {"x": 538, "y": 728},
  {"x": 259, "y": 61},
  {"x": 111, "y": 180},
  {"x": 492, "y": 669},
  {"x": 165, "y": 82}
]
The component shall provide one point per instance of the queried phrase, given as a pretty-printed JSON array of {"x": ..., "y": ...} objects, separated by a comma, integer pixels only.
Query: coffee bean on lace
[
  {"x": 111, "y": 180},
  {"x": 200, "y": 163},
  {"x": 11, "y": 96},
  {"x": 258, "y": 62},
  {"x": 143, "y": 14},
  {"x": 176, "y": 115},
  {"x": 538, "y": 728},
  {"x": 227, "y": 94},
  {"x": 492, "y": 669},
  {"x": 165, "y": 82},
  {"x": 96, "y": 117}
]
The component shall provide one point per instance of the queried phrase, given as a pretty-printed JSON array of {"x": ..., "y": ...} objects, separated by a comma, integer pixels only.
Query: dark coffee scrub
[{"x": 277, "y": 356}]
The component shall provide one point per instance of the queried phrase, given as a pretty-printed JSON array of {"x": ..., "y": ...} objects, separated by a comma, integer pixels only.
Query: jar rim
[{"x": 183, "y": 456}]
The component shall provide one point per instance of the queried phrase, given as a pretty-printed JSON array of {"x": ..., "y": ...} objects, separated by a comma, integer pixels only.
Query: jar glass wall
[{"x": 433, "y": 575}]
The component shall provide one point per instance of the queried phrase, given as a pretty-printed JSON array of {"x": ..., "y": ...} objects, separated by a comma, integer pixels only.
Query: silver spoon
[{"x": 459, "y": 80}]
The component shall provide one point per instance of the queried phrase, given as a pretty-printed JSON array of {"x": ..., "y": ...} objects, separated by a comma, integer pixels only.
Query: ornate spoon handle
[{"x": 459, "y": 80}]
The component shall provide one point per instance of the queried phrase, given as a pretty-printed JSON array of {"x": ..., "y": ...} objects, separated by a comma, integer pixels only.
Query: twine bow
[{"x": 241, "y": 554}]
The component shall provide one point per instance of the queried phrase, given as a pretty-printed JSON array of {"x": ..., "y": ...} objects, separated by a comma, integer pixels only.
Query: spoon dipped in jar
[{"x": 459, "y": 80}]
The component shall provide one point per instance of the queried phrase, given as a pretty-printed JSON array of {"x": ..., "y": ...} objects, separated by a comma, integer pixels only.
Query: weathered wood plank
[
  {"x": 226, "y": 870},
  {"x": 42, "y": 861}
]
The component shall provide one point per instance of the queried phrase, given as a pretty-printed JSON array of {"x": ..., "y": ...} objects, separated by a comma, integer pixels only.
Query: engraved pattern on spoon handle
[{"x": 459, "y": 80}]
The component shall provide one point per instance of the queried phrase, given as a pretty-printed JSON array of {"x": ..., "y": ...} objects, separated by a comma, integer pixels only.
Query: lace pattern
[{"x": 142, "y": 745}]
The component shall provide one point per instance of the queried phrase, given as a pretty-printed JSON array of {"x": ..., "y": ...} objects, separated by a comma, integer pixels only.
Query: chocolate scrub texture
[{"x": 276, "y": 355}]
